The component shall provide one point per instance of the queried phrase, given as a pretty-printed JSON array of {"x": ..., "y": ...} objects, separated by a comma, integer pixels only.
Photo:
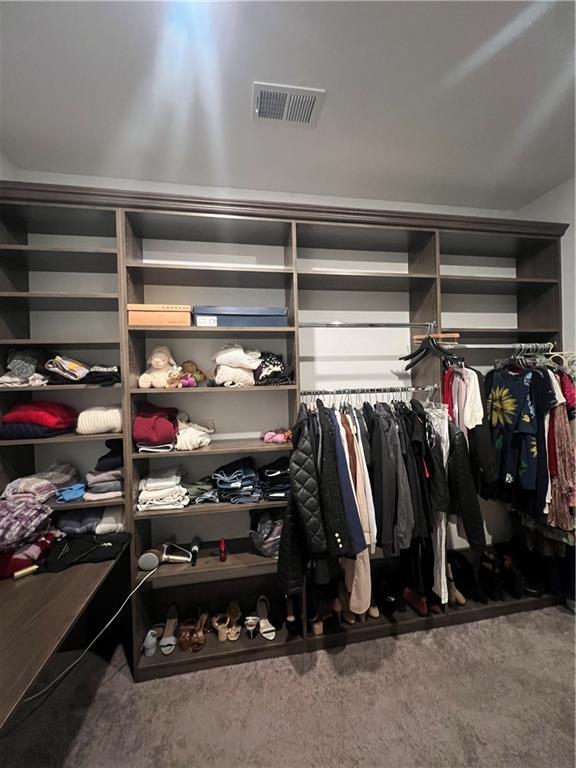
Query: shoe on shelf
[
  {"x": 198, "y": 638},
  {"x": 185, "y": 632},
  {"x": 267, "y": 630},
  {"x": 233, "y": 626},
  {"x": 168, "y": 639},
  {"x": 251, "y": 623},
  {"x": 220, "y": 624},
  {"x": 417, "y": 602},
  {"x": 150, "y": 642},
  {"x": 344, "y": 598},
  {"x": 293, "y": 623},
  {"x": 374, "y": 612},
  {"x": 455, "y": 597}
]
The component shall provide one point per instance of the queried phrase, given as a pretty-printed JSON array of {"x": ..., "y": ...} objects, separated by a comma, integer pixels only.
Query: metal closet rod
[
  {"x": 536, "y": 347},
  {"x": 367, "y": 390},
  {"x": 337, "y": 324}
]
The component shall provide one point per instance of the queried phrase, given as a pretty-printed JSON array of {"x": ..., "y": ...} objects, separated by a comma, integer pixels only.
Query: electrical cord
[{"x": 85, "y": 651}]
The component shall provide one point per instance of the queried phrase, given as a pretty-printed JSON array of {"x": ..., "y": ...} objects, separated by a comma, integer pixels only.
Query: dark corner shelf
[
  {"x": 60, "y": 259},
  {"x": 220, "y": 447},
  {"x": 196, "y": 510},
  {"x": 221, "y": 275},
  {"x": 60, "y": 302}
]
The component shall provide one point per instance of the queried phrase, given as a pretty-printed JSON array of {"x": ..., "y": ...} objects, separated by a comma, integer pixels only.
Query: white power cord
[{"x": 85, "y": 651}]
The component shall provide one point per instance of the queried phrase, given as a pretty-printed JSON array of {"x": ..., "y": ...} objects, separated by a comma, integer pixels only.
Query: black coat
[
  {"x": 463, "y": 498},
  {"x": 482, "y": 454},
  {"x": 291, "y": 556},
  {"x": 305, "y": 486}
]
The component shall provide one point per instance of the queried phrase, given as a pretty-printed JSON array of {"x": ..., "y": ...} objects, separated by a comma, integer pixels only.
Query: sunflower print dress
[{"x": 514, "y": 428}]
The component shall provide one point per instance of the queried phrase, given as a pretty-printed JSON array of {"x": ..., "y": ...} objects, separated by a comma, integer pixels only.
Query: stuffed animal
[
  {"x": 191, "y": 374},
  {"x": 173, "y": 378},
  {"x": 159, "y": 363}
]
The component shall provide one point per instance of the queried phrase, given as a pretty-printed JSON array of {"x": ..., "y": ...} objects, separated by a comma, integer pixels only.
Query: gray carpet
[{"x": 497, "y": 693}]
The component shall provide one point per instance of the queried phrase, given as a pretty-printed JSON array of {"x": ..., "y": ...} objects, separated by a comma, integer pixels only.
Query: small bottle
[{"x": 223, "y": 550}]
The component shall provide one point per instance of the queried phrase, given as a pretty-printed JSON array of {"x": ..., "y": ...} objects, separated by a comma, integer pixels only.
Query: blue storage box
[{"x": 243, "y": 317}]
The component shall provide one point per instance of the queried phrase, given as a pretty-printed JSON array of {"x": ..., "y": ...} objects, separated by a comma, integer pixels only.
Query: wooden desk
[{"x": 36, "y": 614}]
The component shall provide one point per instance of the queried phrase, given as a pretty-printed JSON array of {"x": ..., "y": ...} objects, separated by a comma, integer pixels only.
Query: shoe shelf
[
  {"x": 246, "y": 445},
  {"x": 238, "y": 565},
  {"x": 195, "y": 510},
  {"x": 215, "y": 654}
]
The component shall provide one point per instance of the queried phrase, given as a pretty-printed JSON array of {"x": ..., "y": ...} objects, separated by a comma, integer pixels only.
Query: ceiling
[{"x": 456, "y": 103}]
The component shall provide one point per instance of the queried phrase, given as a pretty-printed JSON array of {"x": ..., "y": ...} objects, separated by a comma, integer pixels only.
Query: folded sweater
[
  {"x": 90, "y": 496},
  {"x": 236, "y": 356},
  {"x": 154, "y": 425},
  {"x": 163, "y": 478},
  {"x": 100, "y": 419},
  {"x": 29, "y": 431},
  {"x": 43, "y": 414},
  {"x": 106, "y": 486},
  {"x": 104, "y": 477},
  {"x": 112, "y": 521}
]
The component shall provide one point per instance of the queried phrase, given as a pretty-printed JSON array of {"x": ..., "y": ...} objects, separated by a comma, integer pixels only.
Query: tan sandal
[
  {"x": 198, "y": 639},
  {"x": 234, "y": 628},
  {"x": 220, "y": 624}
]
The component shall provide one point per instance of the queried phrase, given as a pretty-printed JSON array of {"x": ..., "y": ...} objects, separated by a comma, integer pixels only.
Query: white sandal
[
  {"x": 267, "y": 630},
  {"x": 168, "y": 639}
]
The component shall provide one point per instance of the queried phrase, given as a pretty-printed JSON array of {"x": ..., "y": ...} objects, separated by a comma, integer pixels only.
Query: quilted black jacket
[
  {"x": 291, "y": 557},
  {"x": 305, "y": 486}
]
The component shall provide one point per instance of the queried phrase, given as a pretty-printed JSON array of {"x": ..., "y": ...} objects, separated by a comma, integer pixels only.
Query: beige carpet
[{"x": 498, "y": 693}]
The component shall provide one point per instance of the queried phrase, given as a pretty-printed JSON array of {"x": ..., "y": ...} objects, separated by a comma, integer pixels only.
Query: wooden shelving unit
[{"x": 525, "y": 257}]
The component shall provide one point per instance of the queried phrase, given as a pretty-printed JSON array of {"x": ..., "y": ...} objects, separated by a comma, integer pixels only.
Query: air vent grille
[{"x": 286, "y": 103}]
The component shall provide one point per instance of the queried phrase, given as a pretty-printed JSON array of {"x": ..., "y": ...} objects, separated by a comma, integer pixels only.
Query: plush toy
[
  {"x": 191, "y": 374},
  {"x": 159, "y": 363},
  {"x": 173, "y": 378}
]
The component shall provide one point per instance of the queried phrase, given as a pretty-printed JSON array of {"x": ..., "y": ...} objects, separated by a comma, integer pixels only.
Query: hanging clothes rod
[
  {"x": 526, "y": 348},
  {"x": 367, "y": 390},
  {"x": 338, "y": 324}
]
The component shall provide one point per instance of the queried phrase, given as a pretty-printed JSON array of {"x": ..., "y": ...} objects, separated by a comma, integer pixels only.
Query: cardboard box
[{"x": 160, "y": 314}]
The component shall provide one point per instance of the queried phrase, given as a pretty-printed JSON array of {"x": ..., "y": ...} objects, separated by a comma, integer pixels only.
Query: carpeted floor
[{"x": 497, "y": 693}]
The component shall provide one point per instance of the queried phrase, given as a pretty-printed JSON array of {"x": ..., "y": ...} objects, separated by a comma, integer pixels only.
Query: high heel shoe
[
  {"x": 347, "y": 614},
  {"x": 455, "y": 597},
  {"x": 251, "y": 623},
  {"x": 198, "y": 638},
  {"x": 233, "y": 628}
]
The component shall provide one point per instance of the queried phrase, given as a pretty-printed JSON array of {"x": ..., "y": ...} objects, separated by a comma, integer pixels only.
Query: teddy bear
[
  {"x": 160, "y": 362},
  {"x": 191, "y": 374},
  {"x": 173, "y": 378}
]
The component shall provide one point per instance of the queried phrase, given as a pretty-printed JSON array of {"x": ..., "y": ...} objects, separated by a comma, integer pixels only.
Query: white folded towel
[
  {"x": 236, "y": 356},
  {"x": 233, "y": 376},
  {"x": 165, "y": 494},
  {"x": 165, "y": 478},
  {"x": 112, "y": 521}
]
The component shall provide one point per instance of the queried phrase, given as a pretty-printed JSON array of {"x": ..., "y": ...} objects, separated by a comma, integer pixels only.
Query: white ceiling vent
[{"x": 299, "y": 106}]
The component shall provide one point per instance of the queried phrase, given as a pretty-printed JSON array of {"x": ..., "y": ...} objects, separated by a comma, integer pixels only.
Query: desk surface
[{"x": 36, "y": 614}]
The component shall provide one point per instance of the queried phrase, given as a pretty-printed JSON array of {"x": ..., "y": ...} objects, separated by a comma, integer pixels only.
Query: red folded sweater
[
  {"x": 45, "y": 414},
  {"x": 154, "y": 425}
]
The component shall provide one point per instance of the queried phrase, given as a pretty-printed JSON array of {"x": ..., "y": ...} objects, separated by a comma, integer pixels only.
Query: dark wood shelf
[
  {"x": 171, "y": 332},
  {"x": 492, "y": 285},
  {"x": 61, "y": 302},
  {"x": 38, "y": 611},
  {"x": 497, "y": 245},
  {"x": 212, "y": 390},
  {"x": 58, "y": 343},
  {"x": 195, "y": 510},
  {"x": 357, "y": 280},
  {"x": 60, "y": 387},
  {"x": 59, "y": 259},
  {"x": 239, "y": 565},
  {"x": 72, "y": 437},
  {"x": 221, "y": 447},
  {"x": 216, "y": 653},
  {"x": 336, "y": 235},
  {"x": 59, "y": 506},
  {"x": 221, "y": 275}
]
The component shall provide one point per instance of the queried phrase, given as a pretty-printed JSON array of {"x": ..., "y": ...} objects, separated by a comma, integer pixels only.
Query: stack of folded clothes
[
  {"x": 101, "y": 486},
  {"x": 37, "y": 419},
  {"x": 61, "y": 369},
  {"x": 275, "y": 480},
  {"x": 162, "y": 490},
  {"x": 201, "y": 491},
  {"x": 50, "y": 484},
  {"x": 161, "y": 430},
  {"x": 155, "y": 429},
  {"x": 235, "y": 366},
  {"x": 272, "y": 371},
  {"x": 238, "y": 483},
  {"x": 21, "y": 369}
]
